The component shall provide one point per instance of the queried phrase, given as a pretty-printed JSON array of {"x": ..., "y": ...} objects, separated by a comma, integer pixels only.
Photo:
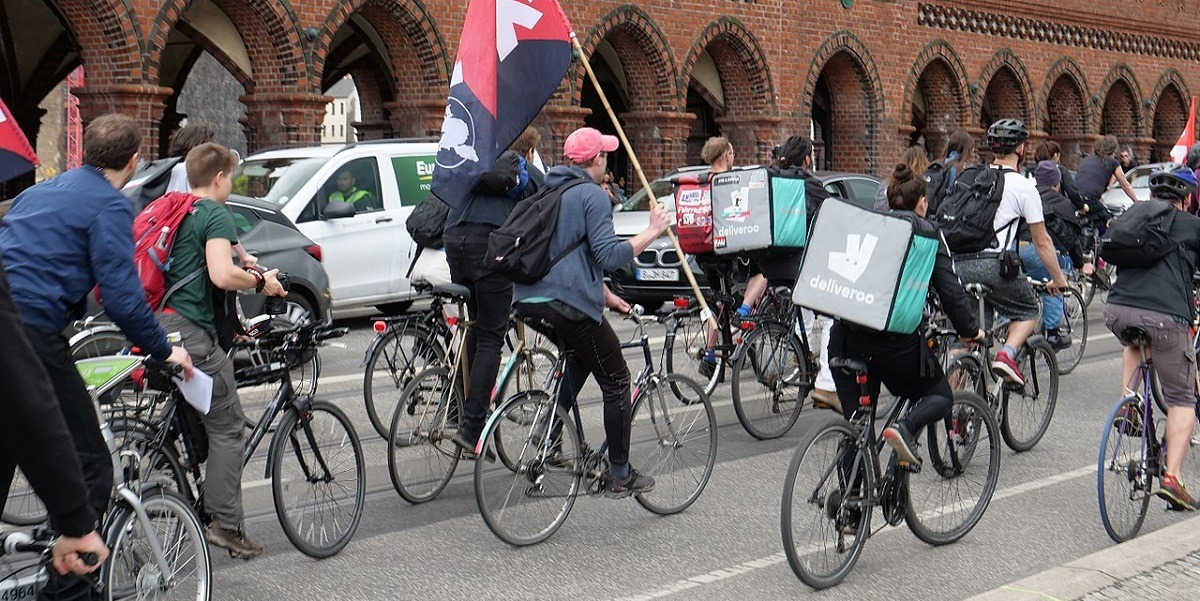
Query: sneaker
[
  {"x": 1173, "y": 492},
  {"x": 1004, "y": 367},
  {"x": 234, "y": 541},
  {"x": 636, "y": 483},
  {"x": 826, "y": 399},
  {"x": 1057, "y": 341},
  {"x": 1128, "y": 421},
  {"x": 901, "y": 441},
  {"x": 466, "y": 441}
]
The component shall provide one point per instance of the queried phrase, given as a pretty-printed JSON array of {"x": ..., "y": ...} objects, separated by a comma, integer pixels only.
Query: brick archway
[
  {"x": 1170, "y": 106},
  {"x": 748, "y": 103},
  {"x": 645, "y": 55},
  {"x": 1121, "y": 109},
  {"x": 1005, "y": 91},
  {"x": 110, "y": 39},
  {"x": 1065, "y": 109},
  {"x": 843, "y": 73},
  {"x": 938, "y": 79}
]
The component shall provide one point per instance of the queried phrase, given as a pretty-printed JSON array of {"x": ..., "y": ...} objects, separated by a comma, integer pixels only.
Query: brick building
[{"x": 865, "y": 77}]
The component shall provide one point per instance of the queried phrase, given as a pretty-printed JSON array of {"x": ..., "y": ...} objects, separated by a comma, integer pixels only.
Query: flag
[
  {"x": 511, "y": 58},
  {"x": 16, "y": 155},
  {"x": 1187, "y": 138}
]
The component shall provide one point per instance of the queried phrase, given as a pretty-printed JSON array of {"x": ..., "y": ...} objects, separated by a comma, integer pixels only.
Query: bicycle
[
  {"x": 551, "y": 463},
  {"x": 835, "y": 481},
  {"x": 1024, "y": 412},
  {"x": 1104, "y": 274},
  {"x": 1073, "y": 326},
  {"x": 23, "y": 507},
  {"x": 314, "y": 460},
  {"x": 406, "y": 345},
  {"x": 774, "y": 370}
]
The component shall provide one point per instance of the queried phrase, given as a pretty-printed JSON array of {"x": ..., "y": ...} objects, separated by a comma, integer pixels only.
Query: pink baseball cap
[{"x": 585, "y": 143}]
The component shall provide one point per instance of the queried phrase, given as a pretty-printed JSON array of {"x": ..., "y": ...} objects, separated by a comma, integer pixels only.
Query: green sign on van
[{"x": 414, "y": 176}]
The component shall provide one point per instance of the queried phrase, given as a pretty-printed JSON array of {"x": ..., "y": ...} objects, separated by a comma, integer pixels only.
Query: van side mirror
[{"x": 339, "y": 210}]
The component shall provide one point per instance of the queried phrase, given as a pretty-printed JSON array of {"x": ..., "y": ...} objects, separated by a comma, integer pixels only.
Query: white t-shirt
[
  {"x": 179, "y": 180},
  {"x": 1021, "y": 199}
]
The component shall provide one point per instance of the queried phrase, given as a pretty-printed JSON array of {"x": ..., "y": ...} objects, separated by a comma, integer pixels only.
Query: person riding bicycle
[
  {"x": 571, "y": 298},
  {"x": 1160, "y": 301},
  {"x": 1097, "y": 173},
  {"x": 1011, "y": 294},
  {"x": 203, "y": 246},
  {"x": 902, "y": 361},
  {"x": 1066, "y": 231}
]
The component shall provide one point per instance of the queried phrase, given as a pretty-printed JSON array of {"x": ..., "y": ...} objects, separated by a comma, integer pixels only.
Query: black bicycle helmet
[
  {"x": 1172, "y": 185},
  {"x": 1005, "y": 135}
]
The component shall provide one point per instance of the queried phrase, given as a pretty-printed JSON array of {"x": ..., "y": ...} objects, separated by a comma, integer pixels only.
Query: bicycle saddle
[
  {"x": 454, "y": 291},
  {"x": 1135, "y": 336},
  {"x": 848, "y": 364}
]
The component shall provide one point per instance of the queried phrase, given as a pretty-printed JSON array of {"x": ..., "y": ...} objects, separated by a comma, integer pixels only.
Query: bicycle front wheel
[
  {"x": 421, "y": 453},
  {"x": 1124, "y": 482},
  {"x": 1029, "y": 409},
  {"x": 770, "y": 380},
  {"x": 684, "y": 355},
  {"x": 404, "y": 351},
  {"x": 1074, "y": 326},
  {"x": 318, "y": 478},
  {"x": 133, "y": 570},
  {"x": 23, "y": 507},
  {"x": 826, "y": 511},
  {"x": 527, "y": 502},
  {"x": 944, "y": 501},
  {"x": 674, "y": 443}
]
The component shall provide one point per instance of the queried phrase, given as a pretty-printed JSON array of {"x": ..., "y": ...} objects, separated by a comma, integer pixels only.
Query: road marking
[{"x": 777, "y": 558}]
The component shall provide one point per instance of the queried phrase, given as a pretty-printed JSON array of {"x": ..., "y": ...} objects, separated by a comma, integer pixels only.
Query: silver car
[{"x": 1115, "y": 199}]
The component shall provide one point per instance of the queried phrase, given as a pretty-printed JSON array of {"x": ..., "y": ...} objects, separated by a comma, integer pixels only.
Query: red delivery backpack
[
  {"x": 154, "y": 231},
  {"x": 693, "y": 213}
]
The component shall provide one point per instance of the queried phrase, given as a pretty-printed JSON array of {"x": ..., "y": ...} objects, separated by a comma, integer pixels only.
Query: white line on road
[{"x": 777, "y": 558}]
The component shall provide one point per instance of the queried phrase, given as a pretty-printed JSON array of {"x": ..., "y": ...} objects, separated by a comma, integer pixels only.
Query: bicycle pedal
[{"x": 912, "y": 468}]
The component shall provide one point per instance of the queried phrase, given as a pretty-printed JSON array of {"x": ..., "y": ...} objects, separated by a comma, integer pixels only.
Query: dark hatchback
[{"x": 656, "y": 275}]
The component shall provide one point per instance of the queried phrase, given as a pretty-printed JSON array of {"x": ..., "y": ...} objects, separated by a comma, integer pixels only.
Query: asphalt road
[{"x": 726, "y": 546}]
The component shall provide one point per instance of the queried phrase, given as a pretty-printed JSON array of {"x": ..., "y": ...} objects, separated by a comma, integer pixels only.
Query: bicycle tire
[
  {"x": 832, "y": 501},
  {"x": 528, "y": 374},
  {"x": 1076, "y": 324},
  {"x": 496, "y": 487},
  {"x": 160, "y": 463},
  {"x": 770, "y": 415},
  {"x": 307, "y": 437},
  {"x": 23, "y": 507},
  {"x": 686, "y": 362},
  {"x": 970, "y": 424},
  {"x": 1037, "y": 400},
  {"x": 132, "y": 571},
  {"x": 429, "y": 446},
  {"x": 100, "y": 343},
  {"x": 1119, "y": 429},
  {"x": 402, "y": 369},
  {"x": 661, "y": 432}
]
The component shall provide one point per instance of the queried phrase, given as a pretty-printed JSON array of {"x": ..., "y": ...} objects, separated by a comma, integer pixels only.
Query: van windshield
[{"x": 276, "y": 180}]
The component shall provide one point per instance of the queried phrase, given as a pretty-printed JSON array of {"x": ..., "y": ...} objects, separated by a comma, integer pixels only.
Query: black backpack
[
  {"x": 427, "y": 222},
  {"x": 968, "y": 209},
  {"x": 1141, "y": 236},
  {"x": 937, "y": 179},
  {"x": 520, "y": 249}
]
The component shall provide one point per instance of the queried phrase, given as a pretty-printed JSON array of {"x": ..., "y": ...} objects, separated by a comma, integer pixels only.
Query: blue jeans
[{"x": 1052, "y": 306}]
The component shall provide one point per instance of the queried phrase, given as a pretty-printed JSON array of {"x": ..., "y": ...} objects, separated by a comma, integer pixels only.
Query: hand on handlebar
[
  {"x": 65, "y": 555},
  {"x": 1057, "y": 286},
  {"x": 977, "y": 339},
  {"x": 180, "y": 356},
  {"x": 614, "y": 302},
  {"x": 271, "y": 286},
  {"x": 1088, "y": 269}
]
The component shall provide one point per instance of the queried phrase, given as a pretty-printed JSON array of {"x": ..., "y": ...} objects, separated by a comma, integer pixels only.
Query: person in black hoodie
[
  {"x": 466, "y": 238},
  {"x": 901, "y": 361}
]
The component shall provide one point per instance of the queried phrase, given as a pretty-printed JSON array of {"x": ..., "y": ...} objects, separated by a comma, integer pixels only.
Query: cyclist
[
  {"x": 34, "y": 436},
  {"x": 1067, "y": 233},
  {"x": 1012, "y": 296},
  {"x": 572, "y": 297},
  {"x": 1097, "y": 173},
  {"x": 1159, "y": 299},
  {"x": 203, "y": 245},
  {"x": 902, "y": 361}
]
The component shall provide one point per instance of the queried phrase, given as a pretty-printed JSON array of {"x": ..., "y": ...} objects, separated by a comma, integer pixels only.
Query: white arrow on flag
[{"x": 510, "y": 14}]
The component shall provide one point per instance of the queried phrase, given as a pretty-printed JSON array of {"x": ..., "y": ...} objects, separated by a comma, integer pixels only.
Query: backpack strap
[
  {"x": 177, "y": 286},
  {"x": 570, "y": 249}
]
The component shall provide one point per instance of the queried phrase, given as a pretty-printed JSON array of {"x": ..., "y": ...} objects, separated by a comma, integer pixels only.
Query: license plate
[{"x": 658, "y": 275}]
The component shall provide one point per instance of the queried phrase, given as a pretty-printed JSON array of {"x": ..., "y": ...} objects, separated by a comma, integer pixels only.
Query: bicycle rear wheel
[
  {"x": 1028, "y": 410},
  {"x": 676, "y": 444},
  {"x": 826, "y": 511},
  {"x": 318, "y": 479},
  {"x": 684, "y": 353},
  {"x": 529, "y": 502},
  {"x": 1074, "y": 326},
  {"x": 23, "y": 507},
  {"x": 944, "y": 501},
  {"x": 421, "y": 455},
  {"x": 1124, "y": 485},
  {"x": 402, "y": 352},
  {"x": 770, "y": 380},
  {"x": 132, "y": 570}
]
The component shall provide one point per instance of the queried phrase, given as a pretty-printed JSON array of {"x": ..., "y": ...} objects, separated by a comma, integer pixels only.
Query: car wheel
[
  {"x": 299, "y": 310},
  {"x": 394, "y": 308}
]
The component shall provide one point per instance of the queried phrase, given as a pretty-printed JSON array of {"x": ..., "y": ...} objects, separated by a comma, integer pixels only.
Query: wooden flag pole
[{"x": 705, "y": 313}]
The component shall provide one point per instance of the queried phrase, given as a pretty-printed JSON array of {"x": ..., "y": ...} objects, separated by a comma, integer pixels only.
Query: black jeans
[
  {"x": 594, "y": 350},
  {"x": 900, "y": 363},
  {"x": 489, "y": 307}
]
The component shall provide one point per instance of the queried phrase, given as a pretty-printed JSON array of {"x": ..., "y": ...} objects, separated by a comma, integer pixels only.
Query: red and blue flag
[
  {"x": 16, "y": 155},
  {"x": 511, "y": 58}
]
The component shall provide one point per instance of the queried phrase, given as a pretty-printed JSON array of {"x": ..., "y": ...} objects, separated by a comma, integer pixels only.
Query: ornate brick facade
[{"x": 866, "y": 80}]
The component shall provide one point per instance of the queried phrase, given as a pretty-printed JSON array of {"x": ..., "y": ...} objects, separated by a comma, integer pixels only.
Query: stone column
[
  {"x": 659, "y": 138},
  {"x": 373, "y": 130},
  {"x": 280, "y": 119},
  {"x": 145, "y": 103},
  {"x": 560, "y": 120},
  {"x": 416, "y": 118},
  {"x": 1074, "y": 146},
  {"x": 1141, "y": 149},
  {"x": 752, "y": 136}
]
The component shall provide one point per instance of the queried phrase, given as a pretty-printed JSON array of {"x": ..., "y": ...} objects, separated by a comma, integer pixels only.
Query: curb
[{"x": 1098, "y": 570}]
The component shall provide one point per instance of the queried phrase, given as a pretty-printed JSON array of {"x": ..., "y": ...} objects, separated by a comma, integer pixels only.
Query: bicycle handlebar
[{"x": 21, "y": 542}]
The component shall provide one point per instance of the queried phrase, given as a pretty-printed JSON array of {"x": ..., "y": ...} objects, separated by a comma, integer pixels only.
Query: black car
[{"x": 656, "y": 275}]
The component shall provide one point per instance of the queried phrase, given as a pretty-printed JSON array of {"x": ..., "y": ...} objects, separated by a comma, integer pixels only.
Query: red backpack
[{"x": 154, "y": 231}]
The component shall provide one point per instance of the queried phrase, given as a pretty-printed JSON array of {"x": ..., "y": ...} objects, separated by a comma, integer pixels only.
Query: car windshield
[
  {"x": 640, "y": 201},
  {"x": 276, "y": 180}
]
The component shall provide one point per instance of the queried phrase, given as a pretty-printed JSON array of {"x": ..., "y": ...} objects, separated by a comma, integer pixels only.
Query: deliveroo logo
[{"x": 852, "y": 263}]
